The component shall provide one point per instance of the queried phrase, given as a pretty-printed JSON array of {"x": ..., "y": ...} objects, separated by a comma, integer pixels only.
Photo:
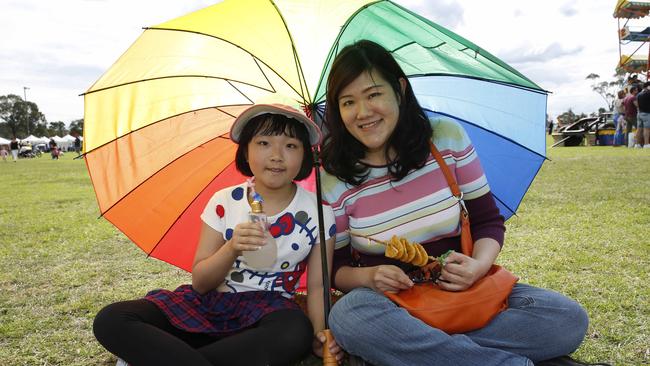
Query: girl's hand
[
  {"x": 247, "y": 236},
  {"x": 389, "y": 278},
  {"x": 460, "y": 272},
  {"x": 335, "y": 349}
]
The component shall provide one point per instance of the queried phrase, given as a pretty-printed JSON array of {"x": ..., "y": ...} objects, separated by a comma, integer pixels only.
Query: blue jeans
[{"x": 538, "y": 325}]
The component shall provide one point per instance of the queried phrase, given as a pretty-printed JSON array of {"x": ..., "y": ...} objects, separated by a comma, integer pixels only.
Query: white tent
[
  {"x": 4, "y": 141},
  {"x": 31, "y": 139}
]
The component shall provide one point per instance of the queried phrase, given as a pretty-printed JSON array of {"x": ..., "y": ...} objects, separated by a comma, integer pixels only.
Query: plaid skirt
[{"x": 216, "y": 313}]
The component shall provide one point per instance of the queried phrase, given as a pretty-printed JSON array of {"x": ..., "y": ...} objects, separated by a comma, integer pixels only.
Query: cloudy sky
[{"x": 59, "y": 48}]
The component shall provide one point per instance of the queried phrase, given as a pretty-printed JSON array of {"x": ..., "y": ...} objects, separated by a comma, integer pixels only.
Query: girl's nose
[{"x": 276, "y": 153}]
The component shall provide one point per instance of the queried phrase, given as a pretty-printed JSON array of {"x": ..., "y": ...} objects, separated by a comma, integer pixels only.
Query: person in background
[
  {"x": 3, "y": 153},
  {"x": 619, "y": 121},
  {"x": 630, "y": 112},
  {"x": 643, "y": 117},
  {"x": 77, "y": 145},
  {"x": 15, "y": 147},
  {"x": 54, "y": 150}
]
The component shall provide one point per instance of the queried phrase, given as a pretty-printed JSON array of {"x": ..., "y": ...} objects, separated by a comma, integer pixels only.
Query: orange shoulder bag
[{"x": 462, "y": 311}]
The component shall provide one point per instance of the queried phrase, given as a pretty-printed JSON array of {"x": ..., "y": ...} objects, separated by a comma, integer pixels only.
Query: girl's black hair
[
  {"x": 342, "y": 152},
  {"x": 270, "y": 124}
]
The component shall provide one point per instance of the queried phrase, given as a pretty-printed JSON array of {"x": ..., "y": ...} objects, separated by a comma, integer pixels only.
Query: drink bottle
[{"x": 265, "y": 257}]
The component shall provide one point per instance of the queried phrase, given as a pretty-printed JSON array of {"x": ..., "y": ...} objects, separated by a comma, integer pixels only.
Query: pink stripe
[
  {"x": 402, "y": 194},
  {"x": 470, "y": 172}
]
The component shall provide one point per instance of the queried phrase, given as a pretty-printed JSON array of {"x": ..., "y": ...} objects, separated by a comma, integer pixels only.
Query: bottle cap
[{"x": 256, "y": 205}]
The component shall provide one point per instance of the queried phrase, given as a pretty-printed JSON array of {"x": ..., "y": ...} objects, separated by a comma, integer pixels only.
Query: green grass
[{"x": 583, "y": 230}]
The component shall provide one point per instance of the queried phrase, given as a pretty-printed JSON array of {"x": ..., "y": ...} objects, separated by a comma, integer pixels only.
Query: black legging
[{"x": 139, "y": 333}]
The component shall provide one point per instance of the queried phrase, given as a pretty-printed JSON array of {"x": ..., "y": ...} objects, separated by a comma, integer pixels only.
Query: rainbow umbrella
[{"x": 156, "y": 123}]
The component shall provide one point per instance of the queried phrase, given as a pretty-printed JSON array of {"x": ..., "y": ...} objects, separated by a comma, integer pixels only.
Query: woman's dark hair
[
  {"x": 270, "y": 124},
  {"x": 341, "y": 151}
]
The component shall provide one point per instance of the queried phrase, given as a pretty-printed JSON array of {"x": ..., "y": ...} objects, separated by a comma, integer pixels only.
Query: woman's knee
[
  {"x": 577, "y": 317},
  {"x": 350, "y": 315}
]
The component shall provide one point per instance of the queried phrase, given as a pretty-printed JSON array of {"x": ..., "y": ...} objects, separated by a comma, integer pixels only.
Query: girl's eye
[
  {"x": 375, "y": 94},
  {"x": 346, "y": 103},
  {"x": 292, "y": 146},
  {"x": 262, "y": 142}
]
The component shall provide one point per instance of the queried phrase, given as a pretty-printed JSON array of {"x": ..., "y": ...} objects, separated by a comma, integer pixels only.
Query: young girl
[{"x": 233, "y": 313}]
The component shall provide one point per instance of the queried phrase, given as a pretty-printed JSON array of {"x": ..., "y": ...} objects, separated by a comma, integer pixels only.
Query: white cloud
[{"x": 59, "y": 48}]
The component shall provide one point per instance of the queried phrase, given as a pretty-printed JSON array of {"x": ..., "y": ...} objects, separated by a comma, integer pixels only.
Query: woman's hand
[
  {"x": 335, "y": 350},
  {"x": 389, "y": 278},
  {"x": 247, "y": 236},
  {"x": 460, "y": 272}
]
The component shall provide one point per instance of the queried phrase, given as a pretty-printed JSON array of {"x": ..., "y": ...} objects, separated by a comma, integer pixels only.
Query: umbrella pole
[{"x": 328, "y": 359}]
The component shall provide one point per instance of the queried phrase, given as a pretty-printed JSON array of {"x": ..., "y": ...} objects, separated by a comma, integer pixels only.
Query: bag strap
[{"x": 466, "y": 242}]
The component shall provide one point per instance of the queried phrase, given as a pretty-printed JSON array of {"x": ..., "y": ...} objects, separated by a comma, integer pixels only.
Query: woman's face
[{"x": 370, "y": 111}]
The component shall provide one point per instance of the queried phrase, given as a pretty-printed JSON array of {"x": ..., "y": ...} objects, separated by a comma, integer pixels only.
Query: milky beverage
[{"x": 265, "y": 257}]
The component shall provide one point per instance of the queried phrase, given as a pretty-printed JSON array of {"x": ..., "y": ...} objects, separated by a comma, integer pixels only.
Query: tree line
[{"x": 21, "y": 118}]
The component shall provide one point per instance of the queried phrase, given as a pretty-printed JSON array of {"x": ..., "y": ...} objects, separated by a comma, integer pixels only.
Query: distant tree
[
  {"x": 41, "y": 130},
  {"x": 77, "y": 126},
  {"x": 569, "y": 117},
  {"x": 18, "y": 117},
  {"x": 57, "y": 128},
  {"x": 606, "y": 89}
]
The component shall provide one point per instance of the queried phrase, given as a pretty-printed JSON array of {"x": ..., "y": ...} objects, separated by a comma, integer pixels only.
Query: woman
[{"x": 381, "y": 180}]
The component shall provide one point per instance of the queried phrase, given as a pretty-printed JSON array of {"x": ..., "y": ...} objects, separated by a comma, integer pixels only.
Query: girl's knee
[{"x": 104, "y": 323}]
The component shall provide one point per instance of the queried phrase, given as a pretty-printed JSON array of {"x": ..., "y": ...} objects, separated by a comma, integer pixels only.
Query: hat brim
[{"x": 314, "y": 132}]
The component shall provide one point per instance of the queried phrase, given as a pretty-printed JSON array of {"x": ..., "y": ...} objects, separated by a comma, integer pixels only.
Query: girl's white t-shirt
[{"x": 295, "y": 231}]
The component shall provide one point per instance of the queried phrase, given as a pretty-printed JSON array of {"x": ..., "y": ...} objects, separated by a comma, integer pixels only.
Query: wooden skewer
[{"x": 370, "y": 238}]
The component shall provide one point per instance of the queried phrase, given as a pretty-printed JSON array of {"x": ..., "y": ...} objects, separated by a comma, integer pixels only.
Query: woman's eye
[
  {"x": 346, "y": 103},
  {"x": 262, "y": 142},
  {"x": 375, "y": 94},
  {"x": 292, "y": 146}
]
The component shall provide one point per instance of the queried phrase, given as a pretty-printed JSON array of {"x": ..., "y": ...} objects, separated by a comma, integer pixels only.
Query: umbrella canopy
[{"x": 157, "y": 122}]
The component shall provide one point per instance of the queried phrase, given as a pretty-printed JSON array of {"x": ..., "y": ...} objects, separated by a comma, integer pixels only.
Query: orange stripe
[
  {"x": 146, "y": 214},
  {"x": 121, "y": 165}
]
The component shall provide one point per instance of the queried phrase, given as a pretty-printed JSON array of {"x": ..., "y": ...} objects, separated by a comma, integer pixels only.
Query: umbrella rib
[
  {"x": 301, "y": 75},
  {"x": 175, "y": 76},
  {"x": 447, "y": 32},
  {"x": 166, "y": 118},
  {"x": 335, "y": 45},
  {"x": 156, "y": 172},
  {"x": 486, "y": 130},
  {"x": 185, "y": 209},
  {"x": 413, "y": 42},
  {"x": 233, "y": 44},
  {"x": 504, "y": 83},
  {"x": 264, "y": 74},
  {"x": 505, "y": 138},
  {"x": 239, "y": 91},
  {"x": 538, "y": 91}
]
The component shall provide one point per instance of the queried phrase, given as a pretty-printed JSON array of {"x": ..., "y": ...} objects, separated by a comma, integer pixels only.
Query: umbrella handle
[{"x": 328, "y": 359}]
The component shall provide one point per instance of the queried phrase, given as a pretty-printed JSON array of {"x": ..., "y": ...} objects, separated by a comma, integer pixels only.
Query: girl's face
[
  {"x": 274, "y": 160},
  {"x": 370, "y": 111}
]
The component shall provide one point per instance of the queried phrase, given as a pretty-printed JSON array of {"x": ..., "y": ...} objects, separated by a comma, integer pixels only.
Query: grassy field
[{"x": 583, "y": 229}]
